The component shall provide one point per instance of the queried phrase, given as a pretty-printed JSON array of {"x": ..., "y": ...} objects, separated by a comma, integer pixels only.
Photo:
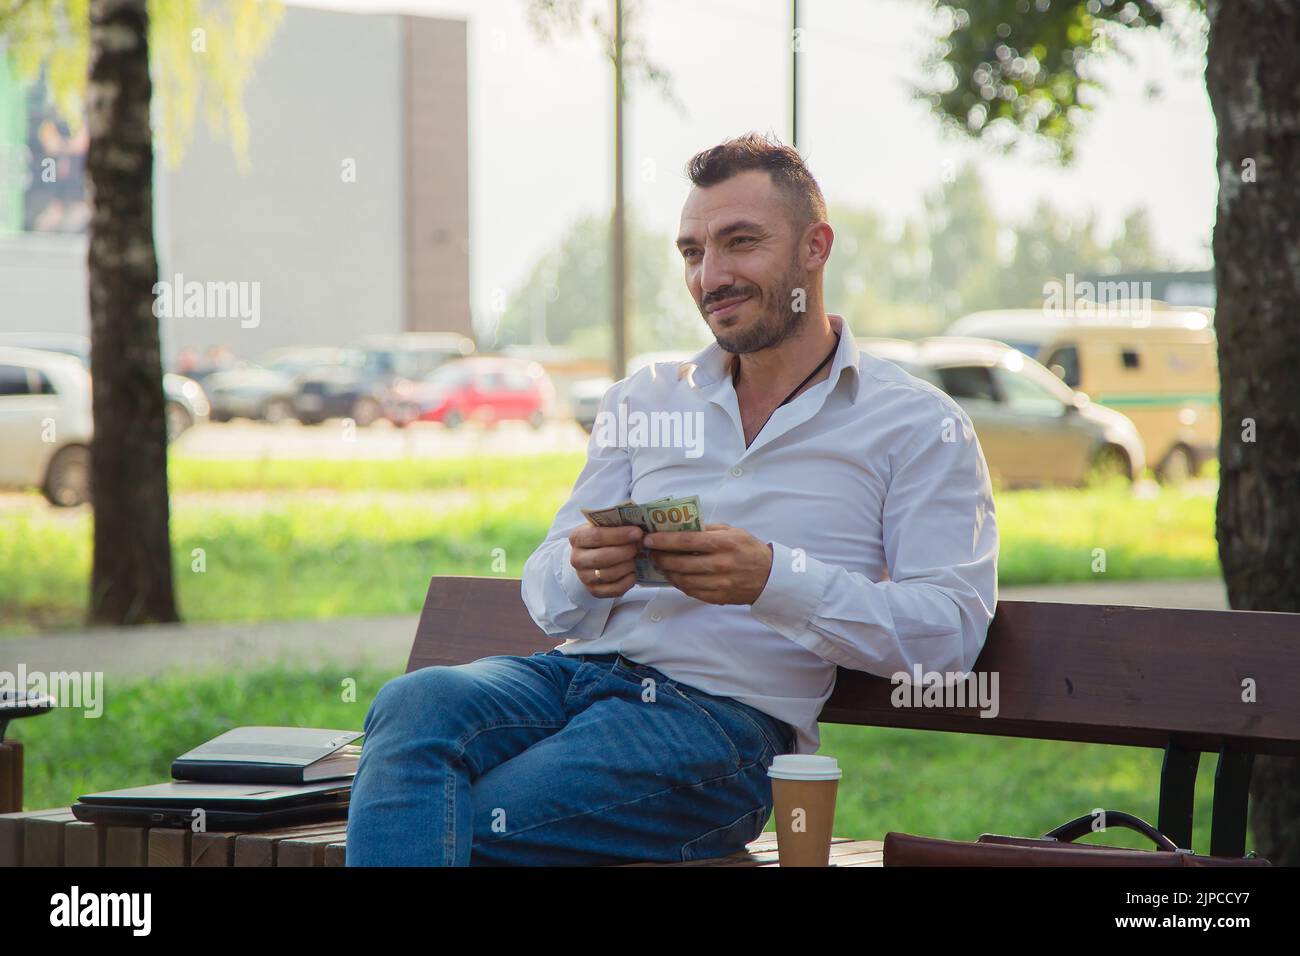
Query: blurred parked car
[
  {"x": 586, "y": 395},
  {"x": 186, "y": 405},
  {"x": 484, "y": 389},
  {"x": 358, "y": 388},
  {"x": 45, "y": 424},
  {"x": 1033, "y": 428},
  {"x": 1157, "y": 364},
  {"x": 265, "y": 390}
]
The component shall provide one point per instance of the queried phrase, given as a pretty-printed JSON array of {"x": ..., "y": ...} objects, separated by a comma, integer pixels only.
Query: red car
[{"x": 485, "y": 389}]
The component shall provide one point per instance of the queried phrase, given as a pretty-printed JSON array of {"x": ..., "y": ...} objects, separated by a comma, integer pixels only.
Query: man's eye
[{"x": 742, "y": 239}]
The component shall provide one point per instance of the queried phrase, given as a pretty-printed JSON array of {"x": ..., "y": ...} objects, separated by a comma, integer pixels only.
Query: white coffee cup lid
[{"x": 804, "y": 767}]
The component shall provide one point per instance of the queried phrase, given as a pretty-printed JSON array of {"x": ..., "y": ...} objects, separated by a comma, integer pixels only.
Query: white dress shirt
[{"x": 873, "y": 492}]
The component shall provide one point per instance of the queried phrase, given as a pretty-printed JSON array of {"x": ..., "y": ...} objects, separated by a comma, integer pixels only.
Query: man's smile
[{"x": 726, "y": 307}]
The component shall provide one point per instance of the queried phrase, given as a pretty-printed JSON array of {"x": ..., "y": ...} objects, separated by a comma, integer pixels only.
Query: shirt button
[
  {"x": 656, "y": 616},
  {"x": 737, "y": 471}
]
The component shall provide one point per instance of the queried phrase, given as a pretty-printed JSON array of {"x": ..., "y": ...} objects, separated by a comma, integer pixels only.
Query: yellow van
[{"x": 1159, "y": 366}]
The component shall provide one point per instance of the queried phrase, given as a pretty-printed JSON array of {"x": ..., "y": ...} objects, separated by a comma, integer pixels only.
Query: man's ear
[{"x": 819, "y": 237}]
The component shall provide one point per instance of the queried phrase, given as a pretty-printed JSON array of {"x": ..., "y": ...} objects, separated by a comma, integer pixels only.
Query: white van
[{"x": 1157, "y": 365}]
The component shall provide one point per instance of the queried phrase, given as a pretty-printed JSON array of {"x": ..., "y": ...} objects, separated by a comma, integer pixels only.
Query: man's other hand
[
  {"x": 719, "y": 565},
  {"x": 609, "y": 552}
]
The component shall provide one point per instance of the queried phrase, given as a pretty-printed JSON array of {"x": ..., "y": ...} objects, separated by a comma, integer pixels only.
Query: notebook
[{"x": 275, "y": 755}]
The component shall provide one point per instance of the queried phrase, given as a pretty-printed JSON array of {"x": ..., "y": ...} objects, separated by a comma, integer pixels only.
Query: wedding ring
[{"x": 598, "y": 574}]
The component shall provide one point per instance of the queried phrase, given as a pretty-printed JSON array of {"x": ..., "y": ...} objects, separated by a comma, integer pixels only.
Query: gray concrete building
[{"x": 351, "y": 218}]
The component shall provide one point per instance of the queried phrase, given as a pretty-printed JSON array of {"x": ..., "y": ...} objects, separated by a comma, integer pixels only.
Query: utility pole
[
  {"x": 619, "y": 298},
  {"x": 794, "y": 73}
]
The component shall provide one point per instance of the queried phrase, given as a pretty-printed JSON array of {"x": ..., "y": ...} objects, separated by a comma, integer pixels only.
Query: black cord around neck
[{"x": 735, "y": 375}]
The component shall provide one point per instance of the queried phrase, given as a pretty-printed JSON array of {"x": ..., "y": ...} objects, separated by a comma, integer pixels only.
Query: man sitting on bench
[{"x": 848, "y": 520}]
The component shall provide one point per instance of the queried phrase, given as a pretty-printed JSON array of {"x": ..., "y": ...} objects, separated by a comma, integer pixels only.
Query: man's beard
[{"x": 776, "y": 323}]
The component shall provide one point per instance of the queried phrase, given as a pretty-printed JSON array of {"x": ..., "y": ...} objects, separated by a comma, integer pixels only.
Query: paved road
[{"x": 386, "y": 641}]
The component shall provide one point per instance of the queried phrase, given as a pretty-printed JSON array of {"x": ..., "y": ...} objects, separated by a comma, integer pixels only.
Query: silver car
[
  {"x": 186, "y": 405},
  {"x": 45, "y": 424},
  {"x": 585, "y": 396},
  {"x": 1034, "y": 429}
]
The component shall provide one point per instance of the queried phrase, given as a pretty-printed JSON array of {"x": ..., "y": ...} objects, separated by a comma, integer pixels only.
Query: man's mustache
[{"x": 725, "y": 294}]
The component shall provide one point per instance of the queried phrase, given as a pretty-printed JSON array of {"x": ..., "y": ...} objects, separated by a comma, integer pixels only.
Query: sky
[{"x": 541, "y": 123}]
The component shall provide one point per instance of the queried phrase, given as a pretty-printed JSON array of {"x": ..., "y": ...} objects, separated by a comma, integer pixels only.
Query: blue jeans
[{"x": 552, "y": 759}]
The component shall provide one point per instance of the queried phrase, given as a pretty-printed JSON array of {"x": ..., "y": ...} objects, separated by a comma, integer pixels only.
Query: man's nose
[{"x": 715, "y": 273}]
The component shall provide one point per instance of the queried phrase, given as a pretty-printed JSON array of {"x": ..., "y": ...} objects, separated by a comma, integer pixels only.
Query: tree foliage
[
  {"x": 1008, "y": 69},
  {"x": 201, "y": 51}
]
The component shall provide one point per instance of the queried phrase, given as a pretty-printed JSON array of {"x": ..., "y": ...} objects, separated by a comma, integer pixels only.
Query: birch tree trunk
[
  {"x": 131, "y": 582},
  {"x": 1253, "y": 78}
]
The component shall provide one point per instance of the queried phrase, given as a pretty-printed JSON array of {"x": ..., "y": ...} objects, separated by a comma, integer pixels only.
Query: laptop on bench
[{"x": 224, "y": 806}]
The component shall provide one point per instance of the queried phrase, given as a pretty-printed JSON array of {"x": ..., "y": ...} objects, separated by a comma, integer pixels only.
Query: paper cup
[{"x": 804, "y": 787}]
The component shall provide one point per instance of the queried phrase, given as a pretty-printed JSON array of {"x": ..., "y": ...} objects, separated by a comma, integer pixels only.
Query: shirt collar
[{"x": 712, "y": 364}]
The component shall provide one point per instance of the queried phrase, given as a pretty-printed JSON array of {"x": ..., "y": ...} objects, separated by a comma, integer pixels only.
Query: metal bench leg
[
  {"x": 1178, "y": 794},
  {"x": 1231, "y": 799}
]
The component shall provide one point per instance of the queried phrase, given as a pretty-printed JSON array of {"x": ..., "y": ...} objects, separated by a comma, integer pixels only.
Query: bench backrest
[{"x": 1098, "y": 673}]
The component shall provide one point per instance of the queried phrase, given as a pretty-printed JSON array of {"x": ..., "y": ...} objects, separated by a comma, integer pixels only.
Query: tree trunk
[
  {"x": 132, "y": 578},
  {"x": 1253, "y": 77}
]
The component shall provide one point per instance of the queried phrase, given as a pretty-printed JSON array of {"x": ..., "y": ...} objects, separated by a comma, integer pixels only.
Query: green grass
[
  {"x": 300, "y": 552},
  {"x": 297, "y": 559},
  {"x": 482, "y": 472},
  {"x": 1051, "y": 536},
  {"x": 946, "y": 785}
]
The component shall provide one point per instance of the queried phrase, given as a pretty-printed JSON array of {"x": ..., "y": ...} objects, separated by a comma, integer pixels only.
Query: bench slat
[
  {"x": 13, "y": 830},
  {"x": 261, "y": 848},
  {"x": 84, "y": 844},
  {"x": 169, "y": 846},
  {"x": 126, "y": 846},
  {"x": 308, "y": 850},
  {"x": 1117, "y": 675},
  {"x": 213, "y": 849},
  {"x": 43, "y": 838}
]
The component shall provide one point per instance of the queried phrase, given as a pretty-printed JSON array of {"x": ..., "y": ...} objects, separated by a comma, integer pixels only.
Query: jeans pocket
[
  {"x": 757, "y": 722},
  {"x": 729, "y": 839},
  {"x": 726, "y": 735}
]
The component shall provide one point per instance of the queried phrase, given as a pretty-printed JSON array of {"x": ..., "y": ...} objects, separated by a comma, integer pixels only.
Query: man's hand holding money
[
  {"x": 719, "y": 565},
  {"x": 605, "y": 558}
]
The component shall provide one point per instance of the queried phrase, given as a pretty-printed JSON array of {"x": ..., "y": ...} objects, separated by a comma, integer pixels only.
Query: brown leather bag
[{"x": 1054, "y": 849}]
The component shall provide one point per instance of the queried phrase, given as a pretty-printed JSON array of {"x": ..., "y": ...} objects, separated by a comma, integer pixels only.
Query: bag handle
[{"x": 1068, "y": 832}]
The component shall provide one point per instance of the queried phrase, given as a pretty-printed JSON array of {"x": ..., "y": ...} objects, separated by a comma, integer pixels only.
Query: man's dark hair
[{"x": 752, "y": 151}]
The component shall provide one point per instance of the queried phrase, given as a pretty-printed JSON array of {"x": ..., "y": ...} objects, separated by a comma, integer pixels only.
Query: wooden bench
[{"x": 1149, "y": 677}]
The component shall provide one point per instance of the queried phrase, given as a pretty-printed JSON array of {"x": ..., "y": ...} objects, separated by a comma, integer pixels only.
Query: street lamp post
[
  {"x": 619, "y": 358},
  {"x": 794, "y": 73}
]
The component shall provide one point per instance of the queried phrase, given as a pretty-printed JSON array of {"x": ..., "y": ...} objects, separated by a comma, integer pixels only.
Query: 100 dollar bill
[{"x": 662, "y": 514}]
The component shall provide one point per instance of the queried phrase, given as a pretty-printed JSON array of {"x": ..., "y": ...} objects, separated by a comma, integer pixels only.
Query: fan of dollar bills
[{"x": 662, "y": 514}]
